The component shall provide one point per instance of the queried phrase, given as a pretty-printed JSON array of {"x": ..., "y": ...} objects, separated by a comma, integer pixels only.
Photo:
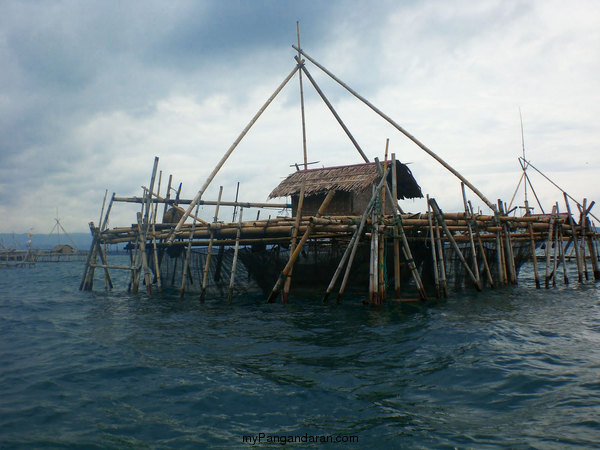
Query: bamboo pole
[
  {"x": 470, "y": 233},
  {"x": 562, "y": 255},
  {"x": 436, "y": 277},
  {"x": 508, "y": 247},
  {"x": 168, "y": 196},
  {"x": 534, "y": 258},
  {"x": 381, "y": 242},
  {"x": 186, "y": 262},
  {"x": 210, "y": 246},
  {"x": 235, "y": 257},
  {"x": 396, "y": 238},
  {"x": 301, "y": 63},
  {"x": 402, "y": 130},
  {"x": 334, "y": 112},
  {"x": 592, "y": 249},
  {"x": 574, "y": 237},
  {"x": 583, "y": 237},
  {"x": 549, "y": 246},
  {"x": 373, "y": 261},
  {"x": 226, "y": 156},
  {"x": 154, "y": 246},
  {"x": 286, "y": 270},
  {"x": 442, "y": 257},
  {"x": 288, "y": 281},
  {"x": 175, "y": 202},
  {"x": 89, "y": 270}
]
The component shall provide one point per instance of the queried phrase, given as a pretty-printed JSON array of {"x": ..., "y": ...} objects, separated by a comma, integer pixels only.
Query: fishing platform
[{"x": 344, "y": 233}]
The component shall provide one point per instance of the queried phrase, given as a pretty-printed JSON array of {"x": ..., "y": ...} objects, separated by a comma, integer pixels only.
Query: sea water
[{"x": 510, "y": 367}]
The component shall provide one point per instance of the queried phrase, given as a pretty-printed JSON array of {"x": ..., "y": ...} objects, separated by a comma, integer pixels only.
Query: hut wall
[{"x": 342, "y": 204}]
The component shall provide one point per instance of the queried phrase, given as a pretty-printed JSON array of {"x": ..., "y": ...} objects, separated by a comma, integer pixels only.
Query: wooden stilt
[
  {"x": 509, "y": 256},
  {"x": 575, "y": 239},
  {"x": 534, "y": 257},
  {"x": 381, "y": 266},
  {"x": 436, "y": 277},
  {"x": 396, "y": 237},
  {"x": 562, "y": 254},
  {"x": 286, "y": 270},
  {"x": 373, "y": 261},
  {"x": 186, "y": 262},
  {"x": 441, "y": 257},
  {"x": 288, "y": 281},
  {"x": 549, "y": 246},
  {"x": 470, "y": 232},
  {"x": 583, "y": 237},
  {"x": 210, "y": 246},
  {"x": 235, "y": 257}
]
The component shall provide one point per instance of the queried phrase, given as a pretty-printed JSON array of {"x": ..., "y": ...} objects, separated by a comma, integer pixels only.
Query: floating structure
[{"x": 346, "y": 232}]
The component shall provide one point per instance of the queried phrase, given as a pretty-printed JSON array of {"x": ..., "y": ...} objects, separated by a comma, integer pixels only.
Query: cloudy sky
[{"x": 91, "y": 91}]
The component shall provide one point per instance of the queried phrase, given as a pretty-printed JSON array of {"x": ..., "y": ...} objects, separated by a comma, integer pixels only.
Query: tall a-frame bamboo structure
[{"x": 415, "y": 255}]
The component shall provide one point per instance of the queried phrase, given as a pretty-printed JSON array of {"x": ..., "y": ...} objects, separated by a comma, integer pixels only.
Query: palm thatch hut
[{"x": 352, "y": 185}]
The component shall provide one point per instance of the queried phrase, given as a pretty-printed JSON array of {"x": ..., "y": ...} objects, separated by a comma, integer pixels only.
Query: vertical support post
[
  {"x": 394, "y": 199},
  {"x": 381, "y": 288},
  {"x": 442, "y": 258},
  {"x": 436, "y": 276},
  {"x": 549, "y": 246},
  {"x": 534, "y": 257},
  {"x": 154, "y": 247},
  {"x": 188, "y": 254},
  {"x": 301, "y": 101},
  {"x": 575, "y": 239},
  {"x": 235, "y": 255},
  {"x": 583, "y": 237},
  {"x": 469, "y": 220},
  {"x": 373, "y": 261},
  {"x": 288, "y": 281},
  {"x": 210, "y": 246}
]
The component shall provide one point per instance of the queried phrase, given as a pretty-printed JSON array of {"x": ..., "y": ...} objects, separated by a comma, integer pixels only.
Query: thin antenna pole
[
  {"x": 301, "y": 63},
  {"x": 525, "y": 166}
]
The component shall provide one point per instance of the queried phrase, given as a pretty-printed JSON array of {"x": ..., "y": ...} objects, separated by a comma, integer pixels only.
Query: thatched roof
[{"x": 355, "y": 178}]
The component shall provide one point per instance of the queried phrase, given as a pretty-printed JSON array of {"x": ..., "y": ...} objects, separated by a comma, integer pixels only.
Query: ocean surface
[{"x": 513, "y": 367}]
